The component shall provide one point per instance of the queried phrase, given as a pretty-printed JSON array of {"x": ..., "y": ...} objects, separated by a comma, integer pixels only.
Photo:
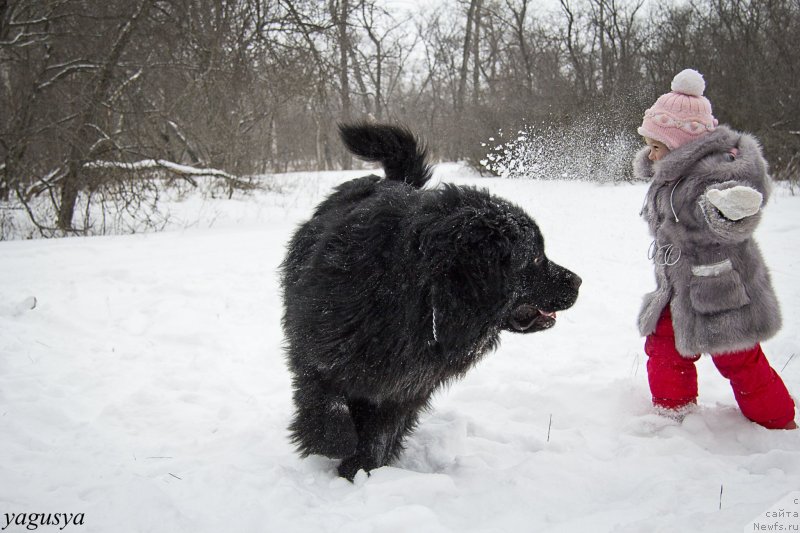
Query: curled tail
[{"x": 403, "y": 157}]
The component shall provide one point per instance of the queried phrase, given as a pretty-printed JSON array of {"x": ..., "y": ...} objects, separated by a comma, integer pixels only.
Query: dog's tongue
[{"x": 549, "y": 315}]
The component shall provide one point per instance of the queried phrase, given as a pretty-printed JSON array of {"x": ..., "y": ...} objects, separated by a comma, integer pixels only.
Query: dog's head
[
  {"x": 489, "y": 255},
  {"x": 545, "y": 288}
]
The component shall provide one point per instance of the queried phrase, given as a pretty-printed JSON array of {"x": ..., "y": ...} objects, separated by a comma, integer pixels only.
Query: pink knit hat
[{"x": 682, "y": 115}]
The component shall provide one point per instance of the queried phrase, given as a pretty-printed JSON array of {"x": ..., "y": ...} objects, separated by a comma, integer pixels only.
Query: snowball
[{"x": 689, "y": 82}]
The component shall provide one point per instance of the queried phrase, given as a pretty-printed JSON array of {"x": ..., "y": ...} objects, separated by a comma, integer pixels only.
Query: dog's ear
[
  {"x": 469, "y": 282},
  {"x": 469, "y": 254}
]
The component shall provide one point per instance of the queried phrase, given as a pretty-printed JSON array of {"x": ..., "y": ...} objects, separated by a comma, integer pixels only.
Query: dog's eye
[{"x": 538, "y": 261}]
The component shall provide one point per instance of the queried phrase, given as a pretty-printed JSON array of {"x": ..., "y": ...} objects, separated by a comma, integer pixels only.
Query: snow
[{"x": 142, "y": 383}]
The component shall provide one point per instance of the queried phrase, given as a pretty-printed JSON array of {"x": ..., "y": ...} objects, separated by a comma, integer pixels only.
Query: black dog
[{"x": 391, "y": 291}]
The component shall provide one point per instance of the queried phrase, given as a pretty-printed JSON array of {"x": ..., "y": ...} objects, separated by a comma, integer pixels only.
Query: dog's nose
[{"x": 575, "y": 282}]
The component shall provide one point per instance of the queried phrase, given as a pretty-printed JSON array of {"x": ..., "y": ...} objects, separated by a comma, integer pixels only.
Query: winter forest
[{"x": 100, "y": 98}]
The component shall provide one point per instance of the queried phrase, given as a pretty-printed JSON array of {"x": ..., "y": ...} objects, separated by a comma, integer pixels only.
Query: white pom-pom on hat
[{"x": 689, "y": 82}]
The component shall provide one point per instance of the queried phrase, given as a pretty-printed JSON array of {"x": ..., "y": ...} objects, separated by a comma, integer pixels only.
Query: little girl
[{"x": 714, "y": 293}]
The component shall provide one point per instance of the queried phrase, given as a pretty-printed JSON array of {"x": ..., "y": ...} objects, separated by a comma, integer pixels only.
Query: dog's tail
[{"x": 404, "y": 158}]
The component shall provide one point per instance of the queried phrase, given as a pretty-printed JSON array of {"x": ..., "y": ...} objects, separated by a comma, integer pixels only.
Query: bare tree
[
  {"x": 91, "y": 134},
  {"x": 517, "y": 24},
  {"x": 470, "y": 39},
  {"x": 619, "y": 42}
]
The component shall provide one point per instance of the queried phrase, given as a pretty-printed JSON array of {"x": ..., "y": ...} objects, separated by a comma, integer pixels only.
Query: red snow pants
[{"x": 759, "y": 391}]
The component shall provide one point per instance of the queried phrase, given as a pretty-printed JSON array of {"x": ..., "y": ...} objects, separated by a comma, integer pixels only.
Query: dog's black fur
[{"x": 391, "y": 291}]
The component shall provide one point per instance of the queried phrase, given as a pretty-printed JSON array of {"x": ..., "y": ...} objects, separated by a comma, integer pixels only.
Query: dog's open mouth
[{"x": 529, "y": 318}]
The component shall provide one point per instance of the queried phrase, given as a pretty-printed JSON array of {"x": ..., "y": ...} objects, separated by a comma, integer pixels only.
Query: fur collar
[
  {"x": 679, "y": 161},
  {"x": 708, "y": 157}
]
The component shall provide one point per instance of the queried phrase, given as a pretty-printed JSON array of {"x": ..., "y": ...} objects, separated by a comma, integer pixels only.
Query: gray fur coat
[{"x": 708, "y": 268}]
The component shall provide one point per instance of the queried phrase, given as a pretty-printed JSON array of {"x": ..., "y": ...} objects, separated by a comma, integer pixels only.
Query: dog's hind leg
[
  {"x": 381, "y": 429},
  {"x": 322, "y": 422}
]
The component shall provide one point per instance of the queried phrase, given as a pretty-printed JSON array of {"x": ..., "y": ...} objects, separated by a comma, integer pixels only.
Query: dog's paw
[
  {"x": 341, "y": 439},
  {"x": 350, "y": 467}
]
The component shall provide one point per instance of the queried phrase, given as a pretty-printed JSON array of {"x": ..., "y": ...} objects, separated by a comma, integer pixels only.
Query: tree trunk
[
  {"x": 462, "y": 79},
  {"x": 575, "y": 59},
  {"x": 378, "y": 82},
  {"x": 340, "y": 20},
  {"x": 519, "y": 32},
  {"x": 476, "y": 46},
  {"x": 362, "y": 87},
  {"x": 71, "y": 185}
]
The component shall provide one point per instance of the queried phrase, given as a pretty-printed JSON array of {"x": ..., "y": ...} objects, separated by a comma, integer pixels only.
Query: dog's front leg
[
  {"x": 322, "y": 423},
  {"x": 381, "y": 429}
]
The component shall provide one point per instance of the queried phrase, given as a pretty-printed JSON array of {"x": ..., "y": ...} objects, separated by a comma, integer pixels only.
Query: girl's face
[{"x": 657, "y": 149}]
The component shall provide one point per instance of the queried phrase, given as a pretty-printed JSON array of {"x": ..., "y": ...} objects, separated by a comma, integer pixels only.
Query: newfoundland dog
[{"x": 391, "y": 291}]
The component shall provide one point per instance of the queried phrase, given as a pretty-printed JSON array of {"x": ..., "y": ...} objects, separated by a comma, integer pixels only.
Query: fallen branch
[
  {"x": 54, "y": 177},
  {"x": 155, "y": 164},
  {"x": 44, "y": 183}
]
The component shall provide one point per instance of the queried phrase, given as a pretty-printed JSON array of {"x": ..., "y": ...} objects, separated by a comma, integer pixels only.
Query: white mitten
[{"x": 737, "y": 202}]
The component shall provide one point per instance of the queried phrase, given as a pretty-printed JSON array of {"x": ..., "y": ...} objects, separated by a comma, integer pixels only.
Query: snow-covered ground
[{"x": 147, "y": 389}]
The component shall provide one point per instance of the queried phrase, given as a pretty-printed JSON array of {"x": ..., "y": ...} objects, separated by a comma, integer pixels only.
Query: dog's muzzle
[{"x": 527, "y": 317}]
